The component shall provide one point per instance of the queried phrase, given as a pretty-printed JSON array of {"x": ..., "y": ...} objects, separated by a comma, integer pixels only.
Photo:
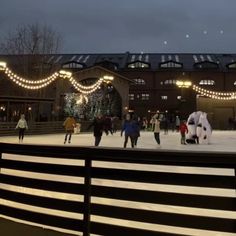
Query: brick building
[{"x": 146, "y": 82}]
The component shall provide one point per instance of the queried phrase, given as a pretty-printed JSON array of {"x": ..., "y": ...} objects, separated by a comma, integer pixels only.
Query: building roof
[{"x": 153, "y": 60}]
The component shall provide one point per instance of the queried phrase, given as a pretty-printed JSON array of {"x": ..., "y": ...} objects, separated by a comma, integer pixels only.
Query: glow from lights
[
  {"x": 183, "y": 84},
  {"x": 214, "y": 94},
  {"x": 82, "y": 98},
  {"x": 109, "y": 78},
  {"x": 3, "y": 65},
  {"x": 41, "y": 83}
]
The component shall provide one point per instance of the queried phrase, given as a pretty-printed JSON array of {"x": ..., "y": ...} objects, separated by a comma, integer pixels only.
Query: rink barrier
[
  {"x": 8, "y": 128},
  {"x": 47, "y": 127},
  {"x": 108, "y": 216}
]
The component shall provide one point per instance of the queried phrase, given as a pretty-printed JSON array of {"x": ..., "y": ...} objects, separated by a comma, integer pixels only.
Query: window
[
  {"x": 207, "y": 82},
  {"x": 206, "y": 65},
  {"x": 179, "y": 97},
  {"x": 164, "y": 97},
  {"x": 107, "y": 64},
  {"x": 145, "y": 96},
  {"x": 232, "y": 65},
  {"x": 138, "y": 64},
  {"x": 170, "y": 64},
  {"x": 139, "y": 81},
  {"x": 170, "y": 81},
  {"x": 73, "y": 65},
  {"x": 234, "y": 82},
  {"x": 131, "y": 96}
]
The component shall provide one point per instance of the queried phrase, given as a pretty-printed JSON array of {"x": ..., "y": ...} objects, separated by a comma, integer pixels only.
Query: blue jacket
[{"x": 130, "y": 128}]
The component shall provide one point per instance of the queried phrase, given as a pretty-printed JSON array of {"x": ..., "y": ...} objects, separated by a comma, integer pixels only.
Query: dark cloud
[{"x": 130, "y": 25}]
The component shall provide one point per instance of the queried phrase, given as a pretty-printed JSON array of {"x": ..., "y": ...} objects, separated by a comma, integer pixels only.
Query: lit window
[
  {"x": 145, "y": 96},
  {"x": 131, "y": 96},
  {"x": 164, "y": 97},
  {"x": 232, "y": 66},
  {"x": 170, "y": 64},
  {"x": 73, "y": 65},
  {"x": 234, "y": 82},
  {"x": 138, "y": 64},
  {"x": 179, "y": 97},
  {"x": 170, "y": 81},
  {"x": 139, "y": 81},
  {"x": 207, "y": 82}
]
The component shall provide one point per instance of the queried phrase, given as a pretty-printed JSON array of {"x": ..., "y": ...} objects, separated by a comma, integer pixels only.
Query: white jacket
[
  {"x": 22, "y": 124},
  {"x": 156, "y": 124}
]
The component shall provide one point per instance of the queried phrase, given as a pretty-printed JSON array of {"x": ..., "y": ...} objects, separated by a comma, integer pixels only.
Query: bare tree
[
  {"x": 32, "y": 44},
  {"x": 31, "y": 39}
]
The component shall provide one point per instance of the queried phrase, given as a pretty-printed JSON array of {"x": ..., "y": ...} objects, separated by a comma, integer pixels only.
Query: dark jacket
[{"x": 98, "y": 126}]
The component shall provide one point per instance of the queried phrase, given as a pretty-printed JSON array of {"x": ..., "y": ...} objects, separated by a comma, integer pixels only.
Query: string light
[
  {"x": 39, "y": 84},
  {"x": 215, "y": 94},
  {"x": 85, "y": 90}
]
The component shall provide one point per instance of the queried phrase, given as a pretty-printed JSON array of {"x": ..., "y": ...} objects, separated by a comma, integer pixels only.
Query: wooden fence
[{"x": 123, "y": 192}]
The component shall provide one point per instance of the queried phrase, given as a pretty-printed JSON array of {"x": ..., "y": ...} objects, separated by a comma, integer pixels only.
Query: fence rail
[
  {"x": 123, "y": 192},
  {"x": 8, "y": 128}
]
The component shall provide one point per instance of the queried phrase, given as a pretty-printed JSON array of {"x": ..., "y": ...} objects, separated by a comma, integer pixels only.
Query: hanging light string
[
  {"x": 38, "y": 84},
  {"x": 215, "y": 94}
]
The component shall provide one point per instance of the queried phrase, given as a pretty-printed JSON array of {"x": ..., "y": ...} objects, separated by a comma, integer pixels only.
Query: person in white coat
[
  {"x": 22, "y": 126},
  {"x": 156, "y": 129}
]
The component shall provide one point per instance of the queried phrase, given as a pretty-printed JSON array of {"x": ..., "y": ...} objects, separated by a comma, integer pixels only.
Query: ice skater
[
  {"x": 69, "y": 124},
  {"x": 129, "y": 129},
  {"x": 98, "y": 127},
  {"x": 156, "y": 129},
  {"x": 183, "y": 130},
  {"x": 22, "y": 126}
]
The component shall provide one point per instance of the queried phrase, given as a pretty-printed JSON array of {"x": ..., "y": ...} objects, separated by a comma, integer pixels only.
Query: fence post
[
  {"x": 0, "y": 160},
  {"x": 235, "y": 177},
  {"x": 87, "y": 196}
]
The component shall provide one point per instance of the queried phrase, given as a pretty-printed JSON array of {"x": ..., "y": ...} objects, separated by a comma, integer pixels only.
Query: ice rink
[{"x": 222, "y": 141}]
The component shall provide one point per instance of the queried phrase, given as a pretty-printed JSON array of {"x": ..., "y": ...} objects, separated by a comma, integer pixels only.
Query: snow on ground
[{"x": 221, "y": 141}]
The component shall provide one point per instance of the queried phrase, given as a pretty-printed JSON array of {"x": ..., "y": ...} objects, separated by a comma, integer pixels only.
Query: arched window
[
  {"x": 206, "y": 65},
  {"x": 138, "y": 64},
  {"x": 73, "y": 65},
  {"x": 139, "y": 81},
  {"x": 170, "y": 64},
  {"x": 231, "y": 65},
  {"x": 108, "y": 64},
  {"x": 207, "y": 82}
]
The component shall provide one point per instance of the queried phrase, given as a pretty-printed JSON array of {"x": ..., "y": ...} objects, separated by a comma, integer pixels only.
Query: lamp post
[{"x": 182, "y": 84}]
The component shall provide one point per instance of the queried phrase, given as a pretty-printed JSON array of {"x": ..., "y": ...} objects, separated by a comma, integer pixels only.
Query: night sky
[{"x": 117, "y": 26}]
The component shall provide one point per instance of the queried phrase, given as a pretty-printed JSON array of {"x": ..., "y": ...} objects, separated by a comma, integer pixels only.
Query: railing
[
  {"x": 124, "y": 192},
  {"x": 47, "y": 127},
  {"x": 8, "y": 128}
]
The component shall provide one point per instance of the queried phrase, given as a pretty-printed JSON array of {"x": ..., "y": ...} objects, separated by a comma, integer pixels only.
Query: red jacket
[{"x": 183, "y": 128}]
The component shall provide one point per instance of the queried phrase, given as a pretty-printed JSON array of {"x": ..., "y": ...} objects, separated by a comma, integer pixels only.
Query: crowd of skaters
[{"x": 130, "y": 127}]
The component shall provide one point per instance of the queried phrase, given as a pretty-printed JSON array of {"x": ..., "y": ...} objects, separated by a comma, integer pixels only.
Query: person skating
[
  {"x": 98, "y": 127},
  {"x": 156, "y": 129},
  {"x": 22, "y": 126},
  {"x": 129, "y": 129},
  {"x": 69, "y": 124},
  {"x": 183, "y": 130}
]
